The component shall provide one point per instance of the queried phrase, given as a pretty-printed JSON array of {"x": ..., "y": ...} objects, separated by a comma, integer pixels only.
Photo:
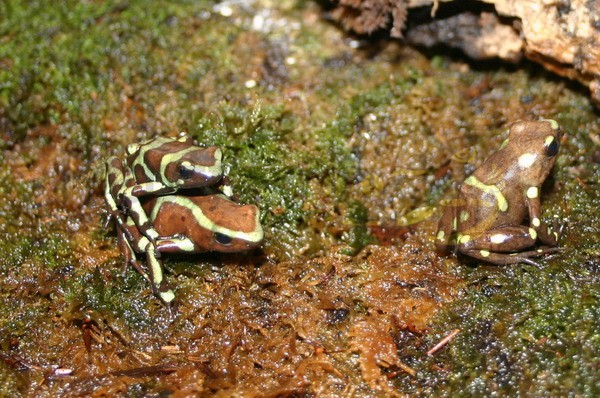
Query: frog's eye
[
  {"x": 551, "y": 146},
  {"x": 185, "y": 170},
  {"x": 222, "y": 239}
]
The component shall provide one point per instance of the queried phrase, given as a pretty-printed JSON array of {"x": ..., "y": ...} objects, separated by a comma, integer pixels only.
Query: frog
[
  {"x": 162, "y": 166},
  {"x": 202, "y": 219},
  {"x": 189, "y": 224},
  {"x": 497, "y": 215}
]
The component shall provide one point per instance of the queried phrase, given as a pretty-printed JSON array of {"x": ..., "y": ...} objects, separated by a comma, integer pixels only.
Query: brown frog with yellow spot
[{"x": 501, "y": 194}]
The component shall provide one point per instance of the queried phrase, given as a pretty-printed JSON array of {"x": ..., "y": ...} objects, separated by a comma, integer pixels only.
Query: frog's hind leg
[
  {"x": 137, "y": 213},
  {"x": 503, "y": 245},
  {"x": 446, "y": 226},
  {"x": 113, "y": 182},
  {"x": 116, "y": 180},
  {"x": 155, "y": 274},
  {"x": 129, "y": 252},
  {"x": 511, "y": 258},
  {"x": 160, "y": 287}
]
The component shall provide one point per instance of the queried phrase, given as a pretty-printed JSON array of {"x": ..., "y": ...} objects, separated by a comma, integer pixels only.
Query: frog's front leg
[
  {"x": 446, "y": 225},
  {"x": 132, "y": 205},
  {"x": 149, "y": 188},
  {"x": 503, "y": 245},
  {"x": 547, "y": 234},
  {"x": 174, "y": 244}
]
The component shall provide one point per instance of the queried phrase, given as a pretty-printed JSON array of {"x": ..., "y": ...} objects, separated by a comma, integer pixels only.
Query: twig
[{"x": 443, "y": 342}]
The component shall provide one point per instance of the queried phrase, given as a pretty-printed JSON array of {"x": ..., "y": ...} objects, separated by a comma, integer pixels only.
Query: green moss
[
  {"x": 12, "y": 384},
  {"x": 516, "y": 341},
  {"x": 266, "y": 168},
  {"x": 105, "y": 298},
  {"x": 358, "y": 236},
  {"x": 70, "y": 62}
]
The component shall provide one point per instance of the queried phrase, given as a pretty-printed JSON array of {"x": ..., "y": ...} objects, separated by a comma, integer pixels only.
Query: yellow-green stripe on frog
[
  {"x": 206, "y": 173},
  {"x": 493, "y": 203},
  {"x": 490, "y": 189}
]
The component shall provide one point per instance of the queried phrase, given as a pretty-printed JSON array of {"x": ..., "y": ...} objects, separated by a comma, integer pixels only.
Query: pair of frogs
[
  {"x": 155, "y": 212},
  {"x": 169, "y": 195}
]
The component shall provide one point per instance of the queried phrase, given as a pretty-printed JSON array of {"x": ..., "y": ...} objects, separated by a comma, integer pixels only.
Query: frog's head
[
  {"x": 192, "y": 167},
  {"x": 235, "y": 227},
  {"x": 211, "y": 222},
  {"x": 535, "y": 146}
]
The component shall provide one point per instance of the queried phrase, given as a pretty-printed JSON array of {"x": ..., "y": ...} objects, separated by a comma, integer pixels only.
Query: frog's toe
[
  {"x": 138, "y": 267},
  {"x": 166, "y": 295},
  {"x": 177, "y": 236},
  {"x": 525, "y": 257},
  {"x": 540, "y": 251},
  {"x": 529, "y": 261},
  {"x": 108, "y": 219},
  {"x": 559, "y": 227},
  {"x": 173, "y": 307}
]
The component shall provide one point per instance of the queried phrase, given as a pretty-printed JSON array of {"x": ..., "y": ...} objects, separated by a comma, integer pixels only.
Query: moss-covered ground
[{"x": 347, "y": 144}]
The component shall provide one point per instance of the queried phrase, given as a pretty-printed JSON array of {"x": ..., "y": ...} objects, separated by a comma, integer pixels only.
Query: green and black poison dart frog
[
  {"x": 504, "y": 192},
  {"x": 190, "y": 224},
  {"x": 163, "y": 166},
  {"x": 202, "y": 220}
]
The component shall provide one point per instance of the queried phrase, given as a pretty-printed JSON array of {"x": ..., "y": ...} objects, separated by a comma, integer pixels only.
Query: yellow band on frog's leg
[
  {"x": 533, "y": 233},
  {"x": 154, "y": 264},
  {"x": 167, "y": 296},
  {"x": 463, "y": 239},
  {"x": 489, "y": 189},
  {"x": 441, "y": 235},
  {"x": 156, "y": 272},
  {"x": 532, "y": 192},
  {"x": 137, "y": 213}
]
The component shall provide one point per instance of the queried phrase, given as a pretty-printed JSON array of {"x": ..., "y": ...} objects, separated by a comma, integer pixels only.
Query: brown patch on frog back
[
  {"x": 171, "y": 219},
  {"x": 228, "y": 214},
  {"x": 151, "y": 158}
]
